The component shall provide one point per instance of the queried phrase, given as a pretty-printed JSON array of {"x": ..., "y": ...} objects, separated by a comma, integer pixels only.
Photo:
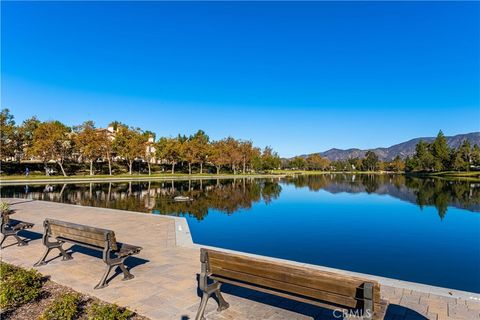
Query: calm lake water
[{"x": 421, "y": 230}]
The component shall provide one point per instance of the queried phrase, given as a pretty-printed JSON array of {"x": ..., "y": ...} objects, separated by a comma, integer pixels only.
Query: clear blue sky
[{"x": 301, "y": 77}]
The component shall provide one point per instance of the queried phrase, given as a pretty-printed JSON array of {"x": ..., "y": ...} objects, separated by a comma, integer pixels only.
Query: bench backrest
[
  {"x": 324, "y": 286},
  {"x": 92, "y": 236}
]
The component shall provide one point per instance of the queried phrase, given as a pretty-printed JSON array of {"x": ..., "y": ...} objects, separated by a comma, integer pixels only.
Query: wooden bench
[
  {"x": 346, "y": 295},
  {"x": 114, "y": 253},
  {"x": 11, "y": 228}
]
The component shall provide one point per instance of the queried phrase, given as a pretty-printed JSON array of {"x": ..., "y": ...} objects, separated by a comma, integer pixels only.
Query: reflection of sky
[{"x": 362, "y": 232}]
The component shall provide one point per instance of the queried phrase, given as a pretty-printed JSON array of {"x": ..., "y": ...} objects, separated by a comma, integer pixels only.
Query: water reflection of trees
[
  {"x": 229, "y": 196},
  {"x": 440, "y": 193},
  {"x": 226, "y": 196}
]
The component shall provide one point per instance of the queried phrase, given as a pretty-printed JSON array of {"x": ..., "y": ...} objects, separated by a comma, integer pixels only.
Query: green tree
[
  {"x": 270, "y": 159},
  {"x": 298, "y": 163},
  {"x": 462, "y": 157},
  {"x": 440, "y": 152},
  {"x": 371, "y": 161},
  {"x": 476, "y": 155},
  {"x": 52, "y": 142},
  {"x": 423, "y": 157}
]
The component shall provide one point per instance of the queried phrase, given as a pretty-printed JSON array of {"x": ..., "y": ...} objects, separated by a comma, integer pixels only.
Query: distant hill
[{"x": 403, "y": 149}]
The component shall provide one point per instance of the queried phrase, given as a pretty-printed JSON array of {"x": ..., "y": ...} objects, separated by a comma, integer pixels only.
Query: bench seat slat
[
  {"x": 287, "y": 287},
  {"x": 313, "y": 280},
  {"x": 77, "y": 235},
  {"x": 317, "y": 279},
  {"x": 81, "y": 233}
]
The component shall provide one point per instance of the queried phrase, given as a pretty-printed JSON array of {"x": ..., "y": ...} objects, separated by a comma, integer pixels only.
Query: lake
[{"x": 421, "y": 230}]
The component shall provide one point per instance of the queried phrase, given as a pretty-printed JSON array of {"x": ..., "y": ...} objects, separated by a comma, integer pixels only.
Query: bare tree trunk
[
  {"x": 234, "y": 169},
  {"x": 244, "y": 165},
  {"x": 218, "y": 169},
  {"x": 149, "y": 169},
  {"x": 61, "y": 167},
  {"x": 189, "y": 168},
  {"x": 91, "y": 167},
  {"x": 109, "y": 166},
  {"x": 173, "y": 167},
  {"x": 130, "y": 165},
  {"x": 201, "y": 167}
]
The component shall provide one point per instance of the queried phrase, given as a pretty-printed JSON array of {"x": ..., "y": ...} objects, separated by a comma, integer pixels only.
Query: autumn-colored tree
[
  {"x": 52, "y": 142},
  {"x": 7, "y": 134},
  {"x": 247, "y": 152},
  {"x": 200, "y": 141},
  {"x": 233, "y": 153},
  {"x": 129, "y": 144},
  {"x": 218, "y": 156},
  {"x": 105, "y": 141},
  {"x": 317, "y": 162},
  {"x": 150, "y": 151},
  {"x": 25, "y": 134},
  {"x": 169, "y": 149},
  {"x": 88, "y": 142},
  {"x": 397, "y": 164}
]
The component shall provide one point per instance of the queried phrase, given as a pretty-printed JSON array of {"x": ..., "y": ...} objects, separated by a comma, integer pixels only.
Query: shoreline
[{"x": 16, "y": 180}]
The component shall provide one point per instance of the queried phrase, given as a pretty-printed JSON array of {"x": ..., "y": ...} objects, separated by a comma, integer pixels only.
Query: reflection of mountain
[{"x": 423, "y": 192}]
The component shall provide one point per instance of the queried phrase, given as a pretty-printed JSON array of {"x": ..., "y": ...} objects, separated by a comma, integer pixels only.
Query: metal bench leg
[
  {"x": 66, "y": 256},
  {"x": 20, "y": 241},
  {"x": 3, "y": 239},
  {"x": 222, "y": 304},
  {"x": 103, "y": 282},
  {"x": 126, "y": 274},
  {"x": 42, "y": 262},
  {"x": 203, "y": 305}
]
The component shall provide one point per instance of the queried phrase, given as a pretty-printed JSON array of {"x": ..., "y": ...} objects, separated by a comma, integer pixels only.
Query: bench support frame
[
  {"x": 208, "y": 289},
  {"x": 9, "y": 231},
  {"x": 110, "y": 261},
  {"x": 6, "y": 234},
  {"x": 365, "y": 308}
]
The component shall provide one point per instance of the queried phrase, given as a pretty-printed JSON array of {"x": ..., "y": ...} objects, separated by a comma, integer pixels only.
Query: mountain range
[{"x": 403, "y": 149}]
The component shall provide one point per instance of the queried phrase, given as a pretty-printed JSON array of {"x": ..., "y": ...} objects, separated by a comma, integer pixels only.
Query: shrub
[
  {"x": 18, "y": 286},
  {"x": 104, "y": 311},
  {"x": 4, "y": 206},
  {"x": 64, "y": 307}
]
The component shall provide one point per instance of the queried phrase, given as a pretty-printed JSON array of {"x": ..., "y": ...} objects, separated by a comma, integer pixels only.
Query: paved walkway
[{"x": 165, "y": 272}]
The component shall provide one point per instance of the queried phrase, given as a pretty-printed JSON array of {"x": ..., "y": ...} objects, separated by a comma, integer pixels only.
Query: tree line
[
  {"x": 53, "y": 141},
  {"x": 438, "y": 156}
]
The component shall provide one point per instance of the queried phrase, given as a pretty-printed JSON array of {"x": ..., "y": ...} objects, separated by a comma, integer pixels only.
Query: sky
[{"x": 300, "y": 77}]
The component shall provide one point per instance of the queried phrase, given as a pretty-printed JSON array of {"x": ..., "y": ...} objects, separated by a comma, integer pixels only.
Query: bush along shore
[{"x": 26, "y": 294}]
